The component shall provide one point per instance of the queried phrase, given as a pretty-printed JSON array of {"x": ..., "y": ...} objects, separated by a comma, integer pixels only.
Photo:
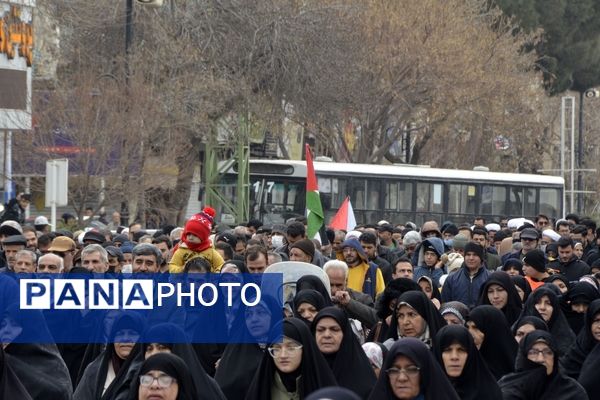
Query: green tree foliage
[{"x": 569, "y": 49}]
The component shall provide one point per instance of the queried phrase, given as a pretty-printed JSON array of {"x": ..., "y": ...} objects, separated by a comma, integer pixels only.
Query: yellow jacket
[{"x": 182, "y": 255}]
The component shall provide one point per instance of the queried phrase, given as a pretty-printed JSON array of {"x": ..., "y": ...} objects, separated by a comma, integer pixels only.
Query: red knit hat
[{"x": 199, "y": 225}]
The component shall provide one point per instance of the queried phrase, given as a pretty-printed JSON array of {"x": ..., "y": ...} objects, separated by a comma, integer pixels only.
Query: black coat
[{"x": 572, "y": 269}]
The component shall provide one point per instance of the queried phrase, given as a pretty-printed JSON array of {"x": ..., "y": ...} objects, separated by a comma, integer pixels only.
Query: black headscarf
[
  {"x": 240, "y": 361},
  {"x": 537, "y": 323},
  {"x": 91, "y": 384},
  {"x": 580, "y": 293},
  {"x": 434, "y": 383},
  {"x": 314, "y": 372},
  {"x": 475, "y": 381},
  {"x": 314, "y": 283},
  {"x": 513, "y": 262},
  {"x": 522, "y": 283},
  {"x": 10, "y": 385},
  {"x": 573, "y": 359},
  {"x": 557, "y": 325},
  {"x": 39, "y": 366},
  {"x": 333, "y": 393},
  {"x": 309, "y": 296},
  {"x": 392, "y": 291},
  {"x": 185, "y": 351},
  {"x": 435, "y": 292},
  {"x": 176, "y": 368},
  {"x": 588, "y": 377},
  {"x": 350, "y": 365},
  {"x": 531, "y": 380},
  {"x": 499, "y": 347},
  {"x": 559, "y": 277},
  {"x": 419, "y": 301},
  {"x": 513, "y": 306}
]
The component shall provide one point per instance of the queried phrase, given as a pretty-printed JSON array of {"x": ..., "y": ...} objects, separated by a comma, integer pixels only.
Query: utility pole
[{"x": 580, "y": 157}]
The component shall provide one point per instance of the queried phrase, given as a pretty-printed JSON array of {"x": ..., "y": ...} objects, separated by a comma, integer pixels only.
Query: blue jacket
[
  {"x": 424, "y": 270},
  {"x": 460, "y": 287}
]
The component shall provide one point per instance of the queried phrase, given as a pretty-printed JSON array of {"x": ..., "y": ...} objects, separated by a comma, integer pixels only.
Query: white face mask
[{"x": 276, "y": 241}]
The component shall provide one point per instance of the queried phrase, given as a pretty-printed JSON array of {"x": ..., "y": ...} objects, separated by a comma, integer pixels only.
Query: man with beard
[{"x": 363, "y": 276}]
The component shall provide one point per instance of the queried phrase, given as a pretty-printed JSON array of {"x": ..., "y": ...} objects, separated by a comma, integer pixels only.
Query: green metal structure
[{"x": 219, "y": 157}]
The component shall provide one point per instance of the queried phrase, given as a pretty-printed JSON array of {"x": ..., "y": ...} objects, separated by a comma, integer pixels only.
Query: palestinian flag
[
  {"x": 344, "y": 218},
  {"x": 314, "y": 211}
]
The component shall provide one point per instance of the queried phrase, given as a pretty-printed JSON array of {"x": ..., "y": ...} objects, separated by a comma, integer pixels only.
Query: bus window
[
  {"x": 430, "y": 197},
  {"x": 325, "y": 189},
  {"x": 529, "y": 204},
  {"x": 461, "y": 199},
  {"x": 339, "y": 188},
  {"x": 359, "y": 194},
  {"x": 550, "y": 200},
  {"x": 373, "y": 189},
  {"x": 493, "y": 200},
  {"x": 405, "y": 195},
  {"x": 422, "y": 197},
  {"x": 391, "y": 196},
  {"x": 516, "y": 200}
]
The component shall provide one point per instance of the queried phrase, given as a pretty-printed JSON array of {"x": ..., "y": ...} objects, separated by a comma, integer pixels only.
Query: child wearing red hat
[{"x": 195, "y": 243}]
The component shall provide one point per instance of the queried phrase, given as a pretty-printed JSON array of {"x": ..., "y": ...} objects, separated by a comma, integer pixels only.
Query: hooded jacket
[
  {"x": 365, "y": 277},
  {"x": 422, "y": 269}
]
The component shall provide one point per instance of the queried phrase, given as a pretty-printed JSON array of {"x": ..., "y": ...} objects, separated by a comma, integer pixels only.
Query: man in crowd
[
  {"x": 429, "y": 260},
  {"x": 164, "y": 244},
  {"x": 464, "y": 285},
  {"x": 567, "y": 263},
  {"x": 302, "y": 250},
  {"x": 94, "y": 258},
  {"x": 480, "y": 236},
  {"x": 50, "y": 264},
  {"x": 403, "y": 269},
  {"x": 368, "y": 241},
  {"x": 256, "y": 259},
  {"x": 358, "y": 305},
  {"x": 12, "y": 245},
  {"x": 534, "y": 268},
  {"x": 65, "y": 248},
  {"x": 529, "y": 240},
  {"x": 146, "y": 258},
  {"x": 31, "y": 236},
  {"x": 25, "y": 262},
  {"x": 362, "y": 276}
]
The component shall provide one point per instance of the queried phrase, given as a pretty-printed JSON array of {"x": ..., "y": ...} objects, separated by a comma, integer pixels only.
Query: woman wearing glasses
[
  {"x": 545, "y": 304},
  {"x": 456, "y": 352},
  {"x": 292, "y": 368},
  {"x": 169, "y": 334},
  {"x": 165, "y": 376},
  {"x": 410, "y": 372},
  {"x": 538, "y": 375}
]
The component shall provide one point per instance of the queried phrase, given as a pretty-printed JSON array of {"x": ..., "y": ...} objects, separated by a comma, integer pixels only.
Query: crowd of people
[{"x": 508, "y": 309}]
